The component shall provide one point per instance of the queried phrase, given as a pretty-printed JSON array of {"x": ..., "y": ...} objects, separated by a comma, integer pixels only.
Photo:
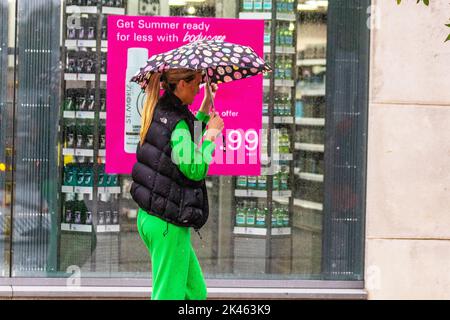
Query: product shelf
[
  {"x": 83, "y": 115},
  {"x": 310, "y": 121},
  {"x": 277, "y": 157},
  {"x": 113, "y": 10},
  {"x": 81, "y": 9},
  {"x": 107, "y": 228},
  {"x": 309, "y": 147},
  {"x": 279, "y": 119},
  {"x": 311, "y": 62},
  {"x": 83, "y": 77},
  {"x": 310, "y": 176},
  {"x": 76, "y": 227},
  {"x": 261, "y": 231},
  {"x": 319, "y": 92},
  {"x": 279, "y": 83},
  {"x": 301, "y": 203},
  {"x": 250, "y": 193},
  {"x": 84, "y": 43},
  {"x": 280, "y": 49},
  {"x": 281, "y": 16},
  {"x": 90, "y": 190},
  {"x": 82, "y": 152}
]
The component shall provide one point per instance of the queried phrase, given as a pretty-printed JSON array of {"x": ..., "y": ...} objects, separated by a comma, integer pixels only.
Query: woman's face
[{"x": 190, "y": 89}]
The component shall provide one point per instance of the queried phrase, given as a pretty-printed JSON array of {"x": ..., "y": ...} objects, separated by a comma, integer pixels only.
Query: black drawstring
[
  {"x": 198, "y": 232},
  {"x": 167, "y": 230}
]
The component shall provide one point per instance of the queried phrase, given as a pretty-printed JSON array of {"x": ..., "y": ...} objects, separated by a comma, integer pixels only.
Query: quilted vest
[{"x": 159, "y": 187}]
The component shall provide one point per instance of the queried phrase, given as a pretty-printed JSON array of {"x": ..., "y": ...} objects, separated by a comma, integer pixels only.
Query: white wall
[{"x": 408, "y": 183}]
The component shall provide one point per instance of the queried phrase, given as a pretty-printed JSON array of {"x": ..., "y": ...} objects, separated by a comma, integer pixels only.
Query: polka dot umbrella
[{"x": 220, "y": 61}]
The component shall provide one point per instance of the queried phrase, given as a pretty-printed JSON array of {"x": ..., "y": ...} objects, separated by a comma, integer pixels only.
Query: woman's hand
[
  {"x": 207, "y": 101},
  {"x": 215, "y": 127}
]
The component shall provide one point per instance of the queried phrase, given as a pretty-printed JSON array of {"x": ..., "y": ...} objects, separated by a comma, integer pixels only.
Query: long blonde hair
[{"x": 169, "y": 80}]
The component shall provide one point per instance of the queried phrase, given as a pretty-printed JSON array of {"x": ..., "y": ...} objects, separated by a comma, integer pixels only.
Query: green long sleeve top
[{"x": 192, "y": 161}]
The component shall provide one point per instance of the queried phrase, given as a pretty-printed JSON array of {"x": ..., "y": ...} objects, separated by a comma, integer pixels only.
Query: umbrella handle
[{"x": 208, "y": 85}]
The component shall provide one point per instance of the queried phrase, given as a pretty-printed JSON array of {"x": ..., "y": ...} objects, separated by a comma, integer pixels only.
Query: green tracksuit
[{"x": 176, "y": 272}]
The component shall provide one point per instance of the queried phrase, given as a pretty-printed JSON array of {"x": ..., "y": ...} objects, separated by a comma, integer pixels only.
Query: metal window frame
[{"x": 140, "y": 288}]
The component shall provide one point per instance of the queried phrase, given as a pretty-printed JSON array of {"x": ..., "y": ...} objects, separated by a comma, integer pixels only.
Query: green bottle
[
  {"x": 284, "y": 181},
  {"x": 68, "y": 104},
  {"x": 267, "y": 5},
  {"x": 290, "y": 5},
  {"x": 252, "y": 182},
  {"x": 68, "y": 211},
  {"x": 241, "y": 182},
  {"x": 275, "y": 181},
  {"x": 288, "y": 68},
  {"x": 267, "y": 32},
  {"x": 247, "y": 5},
  {"x": 80, "y": 176},
  {"x": 262, "y": 182},
  {"x": 260, "y": 217},
  {"x": 279, "y": 218},
  {"x": 274, "y": 217},
  {"x": 240, "y": 215},
  {"x": 258, "y": 5},
  {"x": 77, "y": 215},
  {"x": 88, "y": 177},
  {"x": 251, "y": 215},
  {"x": 285, "y": 217}
]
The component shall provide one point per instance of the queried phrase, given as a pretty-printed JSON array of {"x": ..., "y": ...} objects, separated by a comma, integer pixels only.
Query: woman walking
[{"x": 169, "y": 181}]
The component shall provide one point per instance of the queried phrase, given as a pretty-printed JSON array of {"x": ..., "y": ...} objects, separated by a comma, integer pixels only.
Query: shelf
[
  {"x": 311, "y": 62},
  {"x": 261, "y": 231},
  {"x": 76, "y": 227},
  {"x": 261, "y": 193},
  {"x": 279, "y": 83},
  {"x": 310, "y": 176},
  {"x": 309, "y": 147},
  {"x": 81, "y": 9},
  {"x": 280, "y": 49},
  {"x": 319, "y": 92},
  {"x": 310, "y": 121},
  {"x": 278, "y": 157},
  {"x": 85, "y": 43},
  {"x": 83, "y": 77},
  {"x": 279, "y": 119},
  {"x": 110, "y": 190},
  {"x": 113, "y": 10},
  {"x": 103, "y": 228},
  {"x": 82, "y": 152},
  {"x": 82, "y": 115},
  {"x": 90, "y": 190},
  {"x": 281, "y": 16},
  {"x": 93, "y": 10},
  {"x": 81, "y": 43},
  {"x": 301, "y": 203}
]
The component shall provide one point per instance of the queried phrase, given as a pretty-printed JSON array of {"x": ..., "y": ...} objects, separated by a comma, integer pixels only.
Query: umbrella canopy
[{"x": 220, "y": 61}]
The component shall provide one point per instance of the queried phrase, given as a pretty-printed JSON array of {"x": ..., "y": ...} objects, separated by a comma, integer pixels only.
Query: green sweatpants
[{"x": 176, "y": 272}]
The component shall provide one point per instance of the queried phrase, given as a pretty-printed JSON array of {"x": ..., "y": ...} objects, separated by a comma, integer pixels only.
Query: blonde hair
[{"x": 169, "y": 80}]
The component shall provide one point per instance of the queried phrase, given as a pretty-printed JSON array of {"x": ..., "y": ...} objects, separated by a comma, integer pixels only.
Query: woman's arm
[{"x": 191, "y": 161}]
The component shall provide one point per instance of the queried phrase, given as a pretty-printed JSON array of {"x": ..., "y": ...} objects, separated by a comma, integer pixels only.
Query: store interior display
[
  {"x": 272, "y": 214},
  {"x": 91, "y": 202},
  {"x": 264, "y": 203}
]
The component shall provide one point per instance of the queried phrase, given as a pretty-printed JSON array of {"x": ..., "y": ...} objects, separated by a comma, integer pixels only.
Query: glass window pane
[
  {"x": 6, "y": 86},
  {"x": 69, "y": 215}
]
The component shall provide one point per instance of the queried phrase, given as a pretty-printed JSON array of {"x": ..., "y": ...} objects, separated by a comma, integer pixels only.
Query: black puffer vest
[{"x": 159, "y": 187}]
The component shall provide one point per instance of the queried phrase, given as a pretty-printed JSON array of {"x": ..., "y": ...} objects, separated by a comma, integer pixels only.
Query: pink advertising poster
[{"x": 132, "y": 40}]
